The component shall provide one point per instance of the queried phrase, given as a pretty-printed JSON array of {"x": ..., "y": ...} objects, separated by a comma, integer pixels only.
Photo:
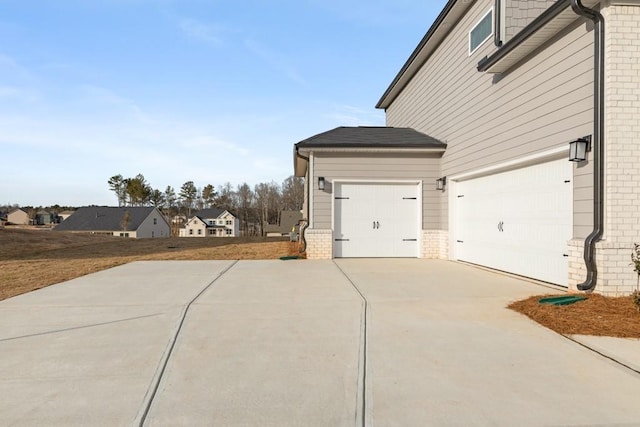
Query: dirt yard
[{"x": 32, "y": 259}]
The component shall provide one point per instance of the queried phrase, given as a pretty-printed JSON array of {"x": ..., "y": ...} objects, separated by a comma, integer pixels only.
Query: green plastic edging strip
[
  {"x": 285, "y": 258},
  {"x": 564, "y": 300}
]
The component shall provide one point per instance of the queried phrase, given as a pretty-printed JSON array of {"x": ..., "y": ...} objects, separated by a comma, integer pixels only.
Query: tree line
[{"x": 255, "y": 207}]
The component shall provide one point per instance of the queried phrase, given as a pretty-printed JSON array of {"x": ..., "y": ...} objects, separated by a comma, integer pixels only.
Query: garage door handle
[
  {"x": 342, "y": 240},
  {"x": 376, "y": 225},
  {"x": 409, "y": 240}
]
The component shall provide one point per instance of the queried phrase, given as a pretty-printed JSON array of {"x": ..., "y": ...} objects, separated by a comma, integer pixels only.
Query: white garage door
[
  {"x": 376, "y": 220},
  {"x": 518, "y": 221}
]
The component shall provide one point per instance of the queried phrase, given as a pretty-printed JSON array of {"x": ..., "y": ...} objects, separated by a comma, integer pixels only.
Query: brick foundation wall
[
  {"x": 435, "y": 244},
  {"x": 622, "y": 150},
  {"x": 319, "y": 243},
  {"x": 577, "y": 268}
]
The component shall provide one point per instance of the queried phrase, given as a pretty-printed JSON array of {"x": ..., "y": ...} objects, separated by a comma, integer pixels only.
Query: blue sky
[{"x": 185, "y": 90}]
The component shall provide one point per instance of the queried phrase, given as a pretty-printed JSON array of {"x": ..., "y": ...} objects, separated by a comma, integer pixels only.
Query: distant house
[
  {"x": 286, "y": 222},
  {"x": 133, "y": 222},
  {"x": 18, "y": 217},
  {"x": 212, "y": 222},
  {"x": 44, "y": 218}
]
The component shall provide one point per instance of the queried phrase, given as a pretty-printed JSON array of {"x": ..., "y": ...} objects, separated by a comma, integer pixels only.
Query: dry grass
[
  {"x": 33, "y": 259},
  {"x": 597, "y": 315}
]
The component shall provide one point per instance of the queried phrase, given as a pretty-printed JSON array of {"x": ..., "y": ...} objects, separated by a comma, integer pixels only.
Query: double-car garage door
[
  {"x": 517, "y": 221},
  {"x": 376, "y": 219}
]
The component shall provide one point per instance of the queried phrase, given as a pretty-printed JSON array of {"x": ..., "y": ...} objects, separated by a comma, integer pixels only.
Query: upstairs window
[{"x": 481, "y": 32}]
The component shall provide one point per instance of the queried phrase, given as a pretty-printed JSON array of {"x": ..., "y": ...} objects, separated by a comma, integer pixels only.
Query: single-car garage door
[
  {"x": 376, "y": 219},
  {"x": 517, "y": 221}
]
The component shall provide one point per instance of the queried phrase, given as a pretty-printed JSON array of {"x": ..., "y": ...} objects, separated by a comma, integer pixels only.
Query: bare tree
[
  {"x": 124, "y": 223},
  {"x": 292, "y": 193},
  {"x": 267, "y": 202},
  {"x": 226, "y": 197},
  {"x": 245, "y": 201}
]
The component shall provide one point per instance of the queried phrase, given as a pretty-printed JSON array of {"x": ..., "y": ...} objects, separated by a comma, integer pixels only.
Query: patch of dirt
[
  {"x": 33, "y": 259},
  {"x": 597, "y": 315}
]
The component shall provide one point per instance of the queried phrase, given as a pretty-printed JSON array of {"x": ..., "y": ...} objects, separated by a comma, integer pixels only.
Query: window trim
[{"x": 489, "y": 36}]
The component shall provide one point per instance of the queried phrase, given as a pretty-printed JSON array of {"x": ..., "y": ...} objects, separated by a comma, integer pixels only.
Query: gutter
[
  {"x": 598, "y": 144},
  {"x": 535, "y": 25}
]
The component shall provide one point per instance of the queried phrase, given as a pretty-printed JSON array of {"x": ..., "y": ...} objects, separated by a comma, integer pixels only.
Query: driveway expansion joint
[
  {"x": 361, "y": 404},
  {"x": 162, "y": 366}
]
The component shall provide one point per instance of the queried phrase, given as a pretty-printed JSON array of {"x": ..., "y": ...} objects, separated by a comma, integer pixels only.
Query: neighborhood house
[
  {"x": 18, "y": 217},
  {"x": 212, "y": 222},
  {"x": 511, "y": 142},
  {"x": 133, "y": 222}
]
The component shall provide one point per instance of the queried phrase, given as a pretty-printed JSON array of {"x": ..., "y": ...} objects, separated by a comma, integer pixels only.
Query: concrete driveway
[{"x": 275, "y": 343}]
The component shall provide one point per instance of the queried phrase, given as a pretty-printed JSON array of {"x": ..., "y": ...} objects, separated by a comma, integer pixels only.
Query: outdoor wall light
[
  {"x": 321, "y": 183},
  {"x": 578, "y": 149},
  {"x": 440, "y": 183}
]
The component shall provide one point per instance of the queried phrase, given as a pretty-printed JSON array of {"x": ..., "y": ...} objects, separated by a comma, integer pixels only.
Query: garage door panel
[
  {"x": 376, "y": 220},
  {"x": 518, "y": 221}
]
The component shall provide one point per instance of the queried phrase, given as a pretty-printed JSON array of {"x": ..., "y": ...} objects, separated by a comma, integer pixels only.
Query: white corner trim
[{"x": 312, "y": 172}]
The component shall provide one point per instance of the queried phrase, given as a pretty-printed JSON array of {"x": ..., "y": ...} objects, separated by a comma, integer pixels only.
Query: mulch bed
[{"x": 597, "y": 315}]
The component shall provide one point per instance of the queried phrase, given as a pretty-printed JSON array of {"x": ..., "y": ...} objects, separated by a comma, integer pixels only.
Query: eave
[{"x": 452, "y": 12}]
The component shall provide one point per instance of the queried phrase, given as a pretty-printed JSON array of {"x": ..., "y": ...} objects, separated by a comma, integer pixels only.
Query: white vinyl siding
[{"x": 540, "y": 104}]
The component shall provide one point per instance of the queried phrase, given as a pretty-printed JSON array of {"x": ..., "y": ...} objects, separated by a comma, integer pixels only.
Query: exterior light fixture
[
  {"x": 321, "y": 183},
  {"x": 440, "y": 183},
  {"x": 578, "y": 149}
]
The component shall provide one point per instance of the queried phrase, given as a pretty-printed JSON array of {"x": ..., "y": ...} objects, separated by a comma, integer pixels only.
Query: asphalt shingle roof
[
  {"x": 371, "y": 137},
  {"x": 209, "y": 213},
  {"x": 103, "y": 218}
]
